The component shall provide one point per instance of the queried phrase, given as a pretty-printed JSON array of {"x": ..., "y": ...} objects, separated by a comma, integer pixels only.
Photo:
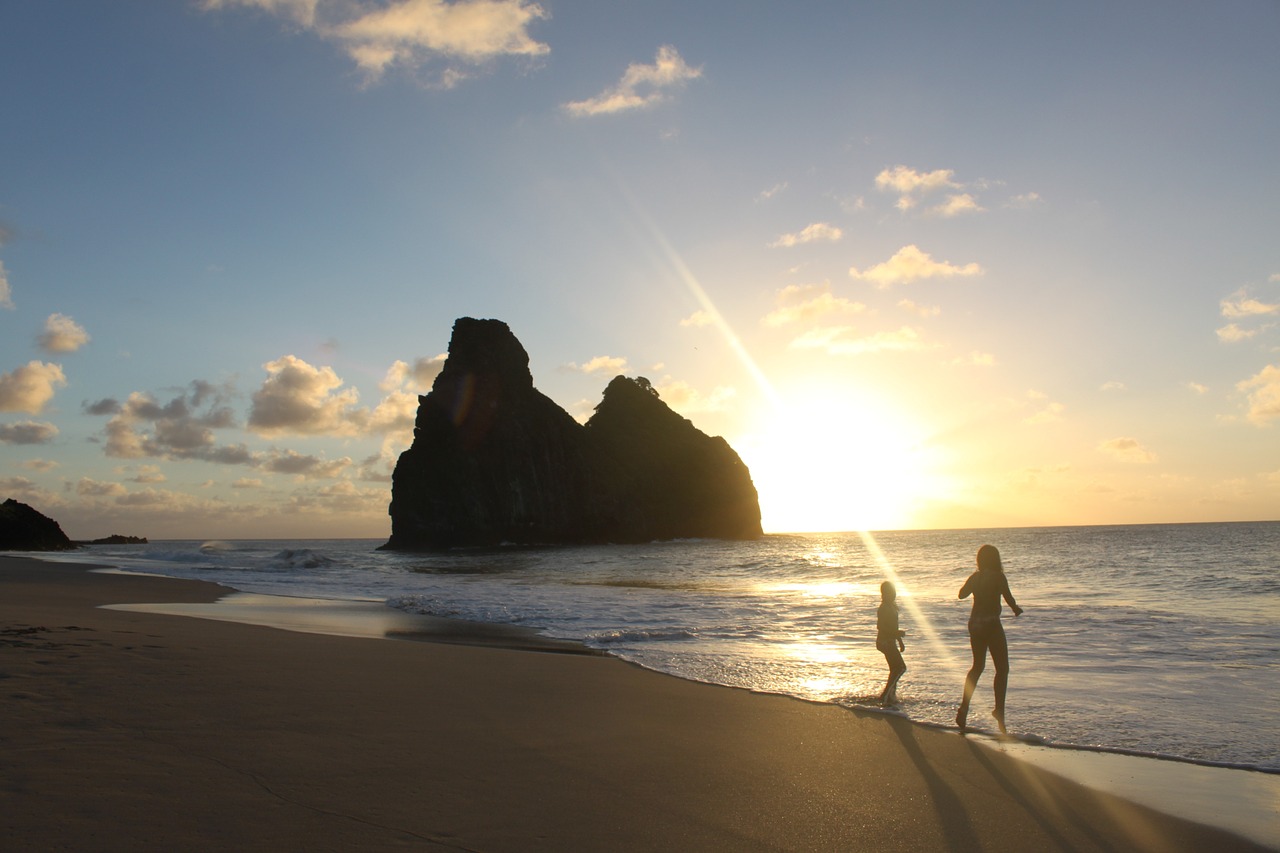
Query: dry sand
[{"x": 126, "y": 730}]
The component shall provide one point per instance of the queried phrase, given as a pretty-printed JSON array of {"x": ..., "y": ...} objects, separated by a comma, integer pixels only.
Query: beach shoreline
[{"x": 517, "y": 751}]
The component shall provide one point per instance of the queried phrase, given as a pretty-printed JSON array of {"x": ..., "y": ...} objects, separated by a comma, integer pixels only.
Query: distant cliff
[
  {"x": 493, "y": 460},
  {"x": 25, "y": 529}
]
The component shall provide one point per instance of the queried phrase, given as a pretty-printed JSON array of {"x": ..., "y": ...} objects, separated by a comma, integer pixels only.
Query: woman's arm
[
  {"x": 967, "y": 589},
  {"x": 1008, "y": 596}
]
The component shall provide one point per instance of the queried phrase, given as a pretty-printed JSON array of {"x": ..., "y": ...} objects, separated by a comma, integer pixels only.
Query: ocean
[{"x": 1159, "y": 640}]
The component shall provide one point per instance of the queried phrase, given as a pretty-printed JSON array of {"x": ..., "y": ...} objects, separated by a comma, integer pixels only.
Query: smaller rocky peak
[{"x": 23, "y": 528}]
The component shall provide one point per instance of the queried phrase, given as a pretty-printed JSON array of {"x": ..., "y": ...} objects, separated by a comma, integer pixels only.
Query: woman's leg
[
  {"x": 978, "y": 644},
  {"x": 1000, "y": 659}
]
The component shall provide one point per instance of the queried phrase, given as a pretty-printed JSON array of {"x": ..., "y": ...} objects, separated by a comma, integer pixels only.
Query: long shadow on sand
[{"x": 952, "y": 814}]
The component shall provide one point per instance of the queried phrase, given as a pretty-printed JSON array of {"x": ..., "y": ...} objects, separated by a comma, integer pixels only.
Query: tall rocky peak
[{"x": 493, "y": 460}]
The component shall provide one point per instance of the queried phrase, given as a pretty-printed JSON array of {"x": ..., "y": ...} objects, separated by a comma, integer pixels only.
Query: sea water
[{"x": 1153, "y": 639}]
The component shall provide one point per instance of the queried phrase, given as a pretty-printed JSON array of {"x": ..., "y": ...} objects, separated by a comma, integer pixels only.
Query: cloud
[
  {"x": 30, "y": 387},
  {"x": 698, "y": 318},
  {"x": 1198, "y": 388},
  {"x": 641, "y": 86},
  {"x": 340, "y": 497},
  {"x": 1264, "y": 395},
  {"x": 975, "y": 359},
  {"x": 842, "y": 340},
  {"x": 910, "y": 264},
  {"x": 1024, "y": 201},
  {"x": 246, "y": 483},
  {"x": 956, "y": 205},
  {"x": 412, "y": 33},
  {"x": 909, "y": 183},
  {"x": 1233, "y": 334},
  {"x": 6, "y": 295},
  {"x": 182, "y": 428},
  {"x": 419, "y": 375},
  {"x": 305, "y": 465},
  {"x": 146, "y": 474},
  {"x": 39, "y": 465},
  {"x": 774, "y": 190},
  {"x": 95, "y": 489},
  {"x": 806, "y": 303},
  {"x": 1240, "y": 304},
  {"x": 604, "y": 364},
  {"x": 810, "y": 234},
  {"x": 1113, "y": 385},
  {"x": 1127, "y": 450},
  {"x": 919, "y": 310},
  {"x": 297, "y": 398},
  {"x": 684, "y": 398},
  {"x": 62, "y": 334},
  {"x": 28, "y": 432}
]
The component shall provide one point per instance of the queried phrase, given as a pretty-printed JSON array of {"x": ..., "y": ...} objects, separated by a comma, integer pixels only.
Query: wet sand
[{"x": 132, "y": 730}]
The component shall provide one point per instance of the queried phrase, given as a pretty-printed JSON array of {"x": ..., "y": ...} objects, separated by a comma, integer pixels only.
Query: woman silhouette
[{"x": 987, "y": 586}]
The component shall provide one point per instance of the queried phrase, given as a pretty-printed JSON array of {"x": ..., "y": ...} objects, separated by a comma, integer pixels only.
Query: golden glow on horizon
[{"x": 837, "y": 461}]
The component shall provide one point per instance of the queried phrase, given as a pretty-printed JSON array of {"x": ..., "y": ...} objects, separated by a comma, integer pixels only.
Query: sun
[{"x": 838, "y": 462}]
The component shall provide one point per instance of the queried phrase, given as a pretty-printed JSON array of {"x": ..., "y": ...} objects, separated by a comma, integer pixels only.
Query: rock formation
[
  {"x": 24, "y": 529},
  {"x": 495, "y": 461}
]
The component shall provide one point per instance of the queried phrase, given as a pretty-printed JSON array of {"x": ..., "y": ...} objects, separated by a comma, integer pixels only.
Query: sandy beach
[{"x": 132, "y": 730}]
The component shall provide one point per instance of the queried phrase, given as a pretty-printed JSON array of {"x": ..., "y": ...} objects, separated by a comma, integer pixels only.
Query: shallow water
[{"x": 1160, "y": 639}]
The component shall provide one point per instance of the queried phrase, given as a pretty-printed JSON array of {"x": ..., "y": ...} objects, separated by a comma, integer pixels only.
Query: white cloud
[
  {"x": 146, "y": 474},
  {"x": 842, "y": 340},
  {"x": 39, "y": 465},
  {"x": 919, "y": 310},
  {"x": 246, "y": 483},
  {"x": 6, "y": 295},
  {"x": 685, "y": 399},
  {"x": 62, "y": 334},
  {"x": 605, "y": 364},
  {"x": 904, "y": 180},
  {"x": 911, "y": 264},
  {"x": 1264, "y": 395},
  {"x": 1113, "y": 385},
  {"x": 179, "y": 429},
  {"x": 698, "y": 318},
  {"x": 641, "y": 86},
  {"x": 772, "y": 191},
  {"x": 30, "y": 387},
  {"x": 1198, "y": 388},
  {"x": 412, "y": 33},
  {"x": 1128, "y": 450},
  {"x": 28, "y": 432},
  {"x": 809, "y": 234},
  {"x": 298, "y": 398},
  {"x": 1233, "y": 334},
  {"x": 1024, "y": 201},
  {"x": 1240, "y": 304},
  {"x": 418, "y": 376},
  {"x": 806, "y": 303},
  {"x": 976, "y": 359},
  {"x": 956, "y": 205}
]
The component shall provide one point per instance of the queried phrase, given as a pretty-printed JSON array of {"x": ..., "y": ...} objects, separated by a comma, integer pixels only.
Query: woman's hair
[
  {"x": 989, "y": 559},
  {"x": 887, "y": 590}
]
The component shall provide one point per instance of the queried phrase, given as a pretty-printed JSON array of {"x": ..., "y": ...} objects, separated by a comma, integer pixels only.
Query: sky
[{"x": 922, "y": 264}]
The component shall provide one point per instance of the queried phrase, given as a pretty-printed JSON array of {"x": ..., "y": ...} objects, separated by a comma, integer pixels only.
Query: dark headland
[{"x": 495, "y": 461}]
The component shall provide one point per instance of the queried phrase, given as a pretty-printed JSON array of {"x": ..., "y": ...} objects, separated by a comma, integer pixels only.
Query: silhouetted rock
[
  {"x": 24, "y": 529},
  {"x": 118, "y": 539},
  {"x": 494, "y": 460}
]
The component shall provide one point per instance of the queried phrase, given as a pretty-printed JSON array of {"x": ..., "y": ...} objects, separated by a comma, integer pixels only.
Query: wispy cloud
[
  {"x": 957, "y": 204},
  {"x": 1128, "y": 449},
  {"x": 910, "y": 264},
  {"x": 641, "y": 86},
  {"x": 1263, "y": 390},
  {"x": 6, "y": 294},
  {"x": 817, "y": 231},
  {"x": 809, "y": 303},
  {"x": 844, "y": 340},
  {"x": 412, "y": 33},
  {"x": 910, "y": 184},
  {"x": 698, "y": 319},
  {"x": 609, "y": 365}
]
